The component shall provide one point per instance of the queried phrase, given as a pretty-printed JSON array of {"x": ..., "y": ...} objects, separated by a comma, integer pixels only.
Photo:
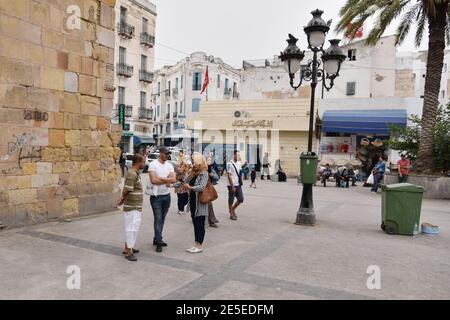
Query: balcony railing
[
  {"x": 128, "y": 111},
  {"x": 175, "y": 115},
  {"x": 145, "y": 114},
  {"x": 145, "y": 76},
  {"x": 147, "y": 40},
  {"x": 125, "y": 30},
  {"x": 125, "y": 70},
  {"x": 168, "y": 116}
]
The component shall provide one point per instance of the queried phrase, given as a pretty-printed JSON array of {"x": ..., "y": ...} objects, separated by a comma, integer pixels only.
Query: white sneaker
[
  {"x": 190, "y": 250},
  {"x": 196, "y": 250},
  {"x": 180, "y": 212}
]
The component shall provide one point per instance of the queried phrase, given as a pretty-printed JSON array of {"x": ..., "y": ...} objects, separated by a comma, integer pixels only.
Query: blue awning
[
  {"x": 363, "y": 121},
  {"x": 138, "y": 140}
]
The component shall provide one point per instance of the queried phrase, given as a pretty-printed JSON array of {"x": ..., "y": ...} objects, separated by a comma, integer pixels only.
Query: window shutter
[
  {"x": 351, "y": 88},
  {"x": 196, "y": 105}
]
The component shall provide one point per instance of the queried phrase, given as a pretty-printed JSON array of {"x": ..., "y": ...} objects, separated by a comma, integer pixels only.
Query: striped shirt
[{"x": 135, "y": 198}]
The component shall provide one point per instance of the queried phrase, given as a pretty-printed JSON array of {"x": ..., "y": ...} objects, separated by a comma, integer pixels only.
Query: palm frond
[
  {"x": 347, "y": 6},
  {"x": 350, "y": 12},
  {"x": 355, "y": 12},
  {"x": 447, "y": 31},
  {"x": 388, "y": 13},
  {"x": 421, "y": 23},
  {"x": 405, "y": 24}
]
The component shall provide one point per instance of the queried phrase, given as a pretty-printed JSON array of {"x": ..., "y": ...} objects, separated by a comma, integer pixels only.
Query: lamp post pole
[
  {"x": 318, "y": 69},
  {"x": 306, "y": 215}
]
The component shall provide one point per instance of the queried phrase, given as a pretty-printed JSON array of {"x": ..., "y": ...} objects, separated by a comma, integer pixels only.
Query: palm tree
[{"x": 434, "y": 14}]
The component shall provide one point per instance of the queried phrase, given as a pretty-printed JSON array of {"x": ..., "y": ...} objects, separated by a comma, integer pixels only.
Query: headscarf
[{"x": 198, "y": 159}]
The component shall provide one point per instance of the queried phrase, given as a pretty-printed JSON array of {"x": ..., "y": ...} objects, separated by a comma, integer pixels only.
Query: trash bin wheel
[{"x": 391, "y": 230}]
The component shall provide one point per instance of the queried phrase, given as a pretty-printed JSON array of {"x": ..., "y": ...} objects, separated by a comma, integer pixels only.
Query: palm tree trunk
[{"x": 425, "y": 161}]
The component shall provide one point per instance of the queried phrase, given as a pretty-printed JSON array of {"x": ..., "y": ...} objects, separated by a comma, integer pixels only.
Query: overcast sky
[{"x": 235, "y": 30}]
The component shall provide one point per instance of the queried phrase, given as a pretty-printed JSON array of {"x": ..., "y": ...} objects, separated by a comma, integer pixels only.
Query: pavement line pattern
[{"x": 213, "y": 276}]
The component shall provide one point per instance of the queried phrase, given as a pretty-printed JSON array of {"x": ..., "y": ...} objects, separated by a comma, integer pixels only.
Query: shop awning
[
  {"x": 138, "y": 140},
  {"x": 363, "y": 121}
]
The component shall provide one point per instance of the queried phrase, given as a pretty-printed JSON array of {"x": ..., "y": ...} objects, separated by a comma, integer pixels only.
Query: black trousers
[
  {"x": 199, "y": 228},
  {"x": 183, "y": 199}
]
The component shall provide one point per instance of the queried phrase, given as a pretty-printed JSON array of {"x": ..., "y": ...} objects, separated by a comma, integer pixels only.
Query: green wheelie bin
[
  {"x": 401, "y": 208},
  {"x": 308, "y": 167}
]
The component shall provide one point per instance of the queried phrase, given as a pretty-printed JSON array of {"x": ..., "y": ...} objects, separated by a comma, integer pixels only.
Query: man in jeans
[
  {"x": 162, "y": 175},
  {"x": 234, "y": 168}
]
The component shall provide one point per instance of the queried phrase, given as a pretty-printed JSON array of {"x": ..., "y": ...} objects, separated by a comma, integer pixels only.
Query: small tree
[{"x": 407, "y": 139}]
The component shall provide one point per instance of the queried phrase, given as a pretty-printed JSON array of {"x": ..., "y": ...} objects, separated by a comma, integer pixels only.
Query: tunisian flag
[{"x": 205, "y": 81}]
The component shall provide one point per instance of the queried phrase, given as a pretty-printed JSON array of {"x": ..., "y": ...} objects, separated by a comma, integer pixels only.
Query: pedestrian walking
[
  {"x": 196, "y": 183},
  {"x": 132, "y": 200},
  {"x": 265, "y": 167},
  {"x": 123, "y": 162},
  {"x": 234, "y": 185},
  {"x": 162, "y": 175},
  {"x": 378, "y": 173},
  {"x": 404, "y": 165},
  {"x": 253, "y": 177}
]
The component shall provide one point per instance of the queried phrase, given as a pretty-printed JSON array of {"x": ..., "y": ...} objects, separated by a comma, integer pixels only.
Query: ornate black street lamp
[{"x": 325, "y": 69}]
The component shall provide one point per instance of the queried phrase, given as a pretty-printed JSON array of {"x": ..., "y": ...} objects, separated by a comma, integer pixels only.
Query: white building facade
[
  {"x": 377, "y": 85},
  {"x": 134, "y": 71},
  {"x": 177, "y": 93}
]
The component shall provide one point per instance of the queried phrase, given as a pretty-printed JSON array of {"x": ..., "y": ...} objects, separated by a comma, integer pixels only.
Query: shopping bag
[
  {"x": 151, "y": 190},
  {"x": 371, "y": 179}
]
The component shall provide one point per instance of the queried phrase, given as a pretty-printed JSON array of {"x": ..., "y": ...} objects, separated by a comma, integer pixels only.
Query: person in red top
[{"x": 403, "y": 169}]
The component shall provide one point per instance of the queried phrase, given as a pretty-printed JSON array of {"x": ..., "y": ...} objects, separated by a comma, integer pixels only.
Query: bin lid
[
  {"x": 306, "y": 155},
  {"x": 404, "y": 187}
]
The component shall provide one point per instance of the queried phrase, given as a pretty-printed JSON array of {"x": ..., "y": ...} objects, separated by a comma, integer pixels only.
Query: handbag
[{"x": 209, "y": 194}]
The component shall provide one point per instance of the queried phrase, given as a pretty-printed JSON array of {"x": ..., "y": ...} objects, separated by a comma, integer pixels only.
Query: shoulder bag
[{"x": 209, "y": 194}]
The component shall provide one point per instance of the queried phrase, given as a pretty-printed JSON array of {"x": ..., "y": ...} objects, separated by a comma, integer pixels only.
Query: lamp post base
[
  {"x": 305, "y": 215},
  {"x": 306, "y": 219}
]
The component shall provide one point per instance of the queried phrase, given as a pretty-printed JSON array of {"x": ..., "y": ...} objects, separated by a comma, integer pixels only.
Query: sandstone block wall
[{"x": 58, "y": 149}]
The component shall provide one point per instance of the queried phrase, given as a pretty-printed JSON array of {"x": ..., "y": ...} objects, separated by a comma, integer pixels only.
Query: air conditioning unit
[{"x": 241, "y": 114}]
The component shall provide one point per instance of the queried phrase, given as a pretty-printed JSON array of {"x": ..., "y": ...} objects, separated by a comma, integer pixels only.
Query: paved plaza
[{"x": 261, "y": 256}]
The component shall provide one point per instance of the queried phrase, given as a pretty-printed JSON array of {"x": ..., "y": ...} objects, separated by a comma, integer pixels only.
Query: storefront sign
[{"x": 253, "y": 124}]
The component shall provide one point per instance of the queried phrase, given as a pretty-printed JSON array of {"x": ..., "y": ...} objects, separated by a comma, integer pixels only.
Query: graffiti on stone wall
[
  {"x": 22, "y": 147},
  {"x": 35, "y": 115}
]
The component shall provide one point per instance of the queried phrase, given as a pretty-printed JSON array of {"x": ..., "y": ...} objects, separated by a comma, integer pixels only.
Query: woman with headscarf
[{"x": 195, "y": 183}]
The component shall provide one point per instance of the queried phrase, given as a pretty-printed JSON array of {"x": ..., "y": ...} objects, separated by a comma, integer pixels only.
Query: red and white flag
[{"x": 205, "y": 81}]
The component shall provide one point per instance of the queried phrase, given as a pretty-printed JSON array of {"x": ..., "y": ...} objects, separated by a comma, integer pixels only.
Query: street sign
[{"x": 122, "y": 116}]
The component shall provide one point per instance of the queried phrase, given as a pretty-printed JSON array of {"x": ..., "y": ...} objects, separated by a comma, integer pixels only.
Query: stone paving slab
[{"x": 261, "y": 256}]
